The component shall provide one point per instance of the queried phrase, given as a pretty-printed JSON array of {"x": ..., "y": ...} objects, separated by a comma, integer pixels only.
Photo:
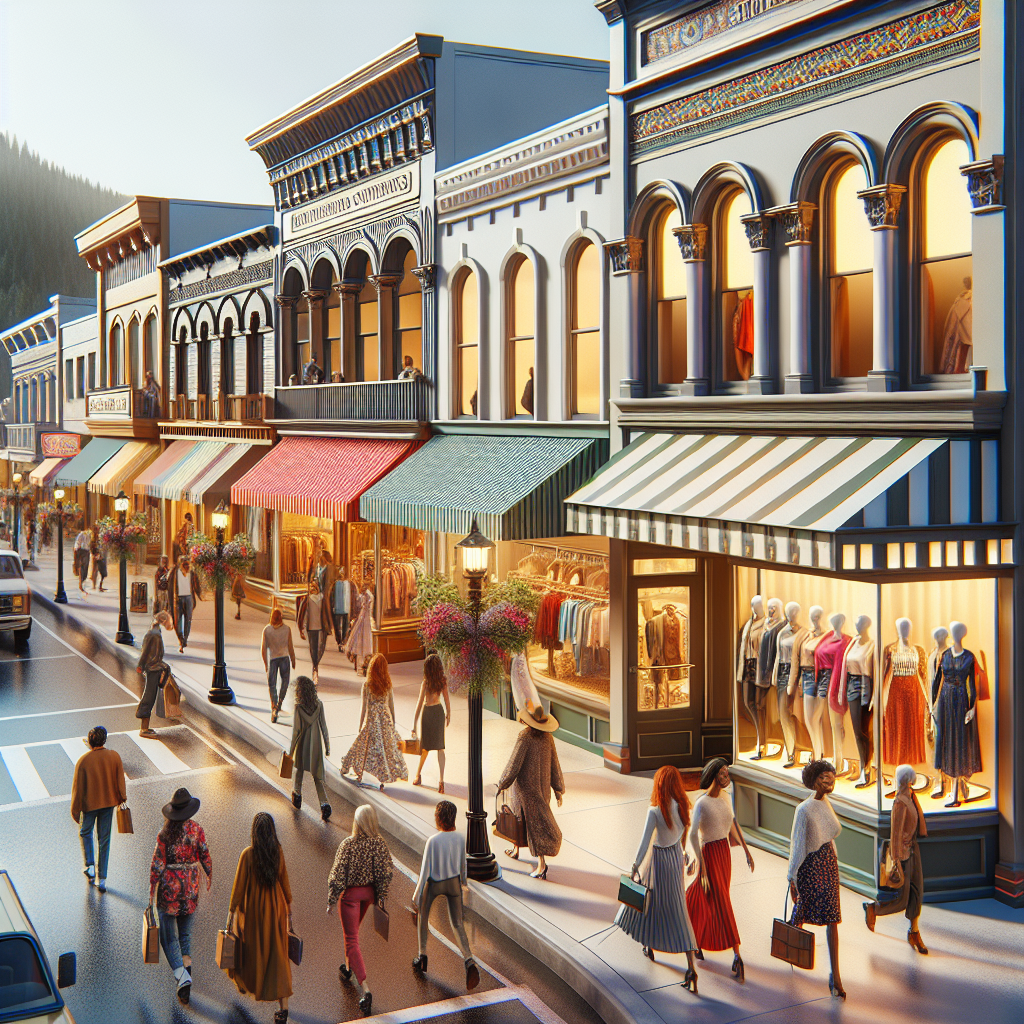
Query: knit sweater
[
  {"x": 711, "y": 820},
  {"x": 814, "y": 824}
]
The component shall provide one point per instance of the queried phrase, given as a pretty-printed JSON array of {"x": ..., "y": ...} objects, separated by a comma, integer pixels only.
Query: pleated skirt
[
  {"x": 714, "y": 923},
  {"x": 666, "y": 926}
]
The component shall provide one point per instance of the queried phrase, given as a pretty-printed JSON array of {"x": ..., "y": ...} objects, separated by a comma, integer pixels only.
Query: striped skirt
[
  {"x": 714, "y": 922},
  {"x": 666, "y": 925}
]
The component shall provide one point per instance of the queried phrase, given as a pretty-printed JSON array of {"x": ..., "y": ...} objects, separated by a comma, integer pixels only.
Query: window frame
[
  {"x": 717, "y": 289},
  {"x": 659, "y": 215},
  {"x": 512, "y": 270},
  {"x": 574, "y": 332},
  {"x": 462, "y": 275},
  {"x": 398, "y": 329}
]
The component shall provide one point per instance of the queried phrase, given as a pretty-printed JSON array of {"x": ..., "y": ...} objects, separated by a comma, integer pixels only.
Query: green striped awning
[
  {"x": 514, "y": 486},
  {"x": 96, "y": 454}
]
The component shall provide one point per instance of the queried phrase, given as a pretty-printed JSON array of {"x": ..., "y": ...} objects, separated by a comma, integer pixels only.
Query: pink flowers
[{"x": 236, "y": 559}]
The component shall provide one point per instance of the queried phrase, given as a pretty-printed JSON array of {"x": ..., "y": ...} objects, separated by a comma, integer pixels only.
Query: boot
[{"x": 297, "y": 800}]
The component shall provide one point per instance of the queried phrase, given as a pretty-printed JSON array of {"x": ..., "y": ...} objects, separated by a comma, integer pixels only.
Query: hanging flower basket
[
  {"x": 47, "y": 512},
  {"x": 123, "y": 541},
  {"x": 236, "y": 559}
]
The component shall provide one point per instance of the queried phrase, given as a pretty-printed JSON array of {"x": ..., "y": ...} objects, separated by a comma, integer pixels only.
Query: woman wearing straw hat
[
  {"x": 533, "y": 771},
  {"x": 180, "y": 852}
]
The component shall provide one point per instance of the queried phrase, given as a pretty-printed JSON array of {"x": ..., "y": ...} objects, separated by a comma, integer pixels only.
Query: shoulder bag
[
  {"x": 509, "y": 825},
  {"x": 790, "y": 942}
]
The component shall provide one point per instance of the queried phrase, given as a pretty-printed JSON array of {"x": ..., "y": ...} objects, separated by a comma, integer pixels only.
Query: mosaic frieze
[{"x": 255, "y": 273}]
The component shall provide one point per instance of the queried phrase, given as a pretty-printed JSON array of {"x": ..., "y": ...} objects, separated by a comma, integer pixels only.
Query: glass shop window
[
  {"x": 663, "y": 648},
  {"x": 736, "y": 296},
  {"x": 670, "y": 298},
  {"x": 585, "y": 331}
]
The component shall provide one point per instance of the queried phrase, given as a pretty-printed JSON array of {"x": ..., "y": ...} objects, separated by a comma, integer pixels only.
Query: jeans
[
  {"x": 278, "y": 667},
  {"x": 314, "y": 646},
  {"x": 185, "y": 606},
  {"x": 451, "y": 889},
  {"x": 176, "y": 937},
  {"x": 353, "y": 907},
  {"x": 101, "y": 818}
]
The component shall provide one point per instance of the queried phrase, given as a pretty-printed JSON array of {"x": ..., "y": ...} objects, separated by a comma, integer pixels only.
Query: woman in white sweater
[{"x": 813, "y": 864}]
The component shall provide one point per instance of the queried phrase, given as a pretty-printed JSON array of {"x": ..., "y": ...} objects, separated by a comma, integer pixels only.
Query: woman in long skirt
[
  {"x": 666, "y": 924},
  {"x": 376, "y": 749},
  {"x": 708, "y": 900}
]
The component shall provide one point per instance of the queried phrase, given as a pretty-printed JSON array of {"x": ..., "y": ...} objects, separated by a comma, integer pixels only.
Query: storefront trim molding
[
  {"x": 176, "y": 431},
  {"x": 504, "y": 428}
]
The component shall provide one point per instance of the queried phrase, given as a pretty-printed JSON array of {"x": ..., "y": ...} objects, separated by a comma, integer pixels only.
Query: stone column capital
[
  {"x": 758, "y": 227},
  {"x": 626, "y": 255},
  {"x": 352, "y": 288},
  {"x": 382, "y": 281},
  {"x": 286, "y": 301},
  {"x": 426, "y": 275},
  {"x": 797, "y": 222},
  {"x": 985, "y": 183},
  {"x": 693, "y": 242},
  {"x": 882, "y": 205},
  {"x": 315, "y": 297}
]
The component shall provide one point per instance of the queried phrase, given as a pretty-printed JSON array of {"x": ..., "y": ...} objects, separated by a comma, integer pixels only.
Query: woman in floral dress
[
  {"x": 376, "y": 749},
  {"x": 359, "y": 645},
  {"x": 180, "y": 853}
]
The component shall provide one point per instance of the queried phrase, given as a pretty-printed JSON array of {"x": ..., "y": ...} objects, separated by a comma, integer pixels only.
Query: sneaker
[
  {"x": 101, "y": 884},
  {"x": 325, "y": 811}
]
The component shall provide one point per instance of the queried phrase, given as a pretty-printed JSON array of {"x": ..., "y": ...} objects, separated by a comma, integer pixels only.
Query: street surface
[{"x": 50, "y": 695}]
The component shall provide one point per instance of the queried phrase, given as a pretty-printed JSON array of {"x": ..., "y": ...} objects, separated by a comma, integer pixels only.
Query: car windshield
[
  {"x": 23, "y": 982},
  {"x": 9, "y": 568}
]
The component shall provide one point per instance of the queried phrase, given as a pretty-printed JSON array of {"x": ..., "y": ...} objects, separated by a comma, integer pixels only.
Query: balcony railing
[
  {"x": 24, "y": 437},
  {"x": 378, "y": 400},
  {"x": 121, "y": 403},
  {"x": 222, "y": 408}
]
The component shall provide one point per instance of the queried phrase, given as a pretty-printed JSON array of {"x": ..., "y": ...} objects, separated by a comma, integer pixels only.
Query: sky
[{"x": 155, "y": 97}]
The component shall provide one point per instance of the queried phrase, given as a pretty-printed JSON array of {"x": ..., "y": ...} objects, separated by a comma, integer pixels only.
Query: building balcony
[
  {"x": 377, "y": 401},
  {"x": 245, "y": 409},
  {"x": 121, "y": 411},
  {"x": 23, "y": 440}
]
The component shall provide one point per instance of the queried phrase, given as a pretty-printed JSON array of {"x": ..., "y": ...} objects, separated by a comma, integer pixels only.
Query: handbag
[
  {"x": 294, "y": 948},
  {"x": 124, "y": 820},
  {"x": 791, "y": 942},
  {"x": 227, "y": 949},
  {"x": 509, "y": 825},
  {"x": 150, "y": 937},
  {"x": 287, "y": 764},
  {"x": 381, "y": 921},
  {"x": 633, "y": 893},
  {"x": 890, "y": 870},
  {"x": 411, "y": 746}
]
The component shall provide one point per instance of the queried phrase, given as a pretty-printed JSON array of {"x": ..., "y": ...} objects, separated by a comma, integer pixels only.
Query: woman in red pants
[
  {"x": 360, "y": 877},
  {"x": 707, "y": 900}
]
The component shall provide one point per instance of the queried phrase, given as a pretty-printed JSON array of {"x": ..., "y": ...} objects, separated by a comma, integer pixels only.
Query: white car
[{"x": 15, "y": 597}]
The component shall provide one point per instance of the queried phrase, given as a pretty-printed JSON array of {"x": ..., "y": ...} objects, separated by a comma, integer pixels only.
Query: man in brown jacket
[{"x": 97, "y": 789}]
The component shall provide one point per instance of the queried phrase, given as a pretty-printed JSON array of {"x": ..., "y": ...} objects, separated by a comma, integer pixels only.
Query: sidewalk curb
[{"x": 582, "y": 970}]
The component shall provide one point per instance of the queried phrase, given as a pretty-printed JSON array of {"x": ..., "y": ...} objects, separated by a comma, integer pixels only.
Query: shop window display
[
  {"x": 302, "y": 538},
  {"x": 663, "y": 648},
  {"x": 818, "y": 676}
]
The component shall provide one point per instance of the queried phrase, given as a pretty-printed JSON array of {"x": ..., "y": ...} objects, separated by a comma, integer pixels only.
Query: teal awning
[
  {"x": 514, "y": 486},
  {"x": 97, "y": 453}
]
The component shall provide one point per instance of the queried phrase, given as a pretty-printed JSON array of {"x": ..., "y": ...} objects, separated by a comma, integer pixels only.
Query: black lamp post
[
  {"x": 17, "y": 510},
  {"x": 220, "y": 691},
  {"x": 60, "y": 597},
  {"x": 481, "y": 865},
  {"x": 124, "y": 636}
]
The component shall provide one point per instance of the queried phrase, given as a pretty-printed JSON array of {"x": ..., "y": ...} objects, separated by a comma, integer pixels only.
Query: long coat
[
  {"x": 326, "y": 626},
  {"x": 532, "y": 772},
  {"x": 307, "y": 748}
]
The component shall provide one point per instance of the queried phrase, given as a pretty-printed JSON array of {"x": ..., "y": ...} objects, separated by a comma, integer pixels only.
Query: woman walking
[
  {"x": 313, "y": 615},
  {"x": 360, "y": 877},
  {"x": 308, "y": 729},
  {"x": 907, "y": 825},
  {"x": 278, "y": 655},
  {"x": 813, "y": 864},
  {"x": 81, "y": 556},
  {"x": 180, "y": 853},
  {"x": 376, "y": 749},
  {"x": 185, "y": 592},
  {"x": 97, "y": 558},
  {"x": 433, "y": 689},
  {"x": 708, "y": 901},
  {"x": 238, "y": 593},
  {"x": 659, "y": 864},
  {"x": 260, "y": 914},
  {"x": 359, "y": 646},
  {"x": 161, "y": 579}
]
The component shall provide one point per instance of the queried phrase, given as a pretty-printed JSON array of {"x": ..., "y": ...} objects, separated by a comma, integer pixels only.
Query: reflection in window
[
  {"x": 115, "y": 364},
  {"x": 850, "y": 259},
  {"x": 467, "y": 339},
  {"x": 655, "y": 566},
  {"x": 670, "y": 279},
  {"x": 301, "y": 338},
  {"x": 736, "y": 269},
  {"x": 663, "y": 648},
  {"x": 367, "y": 349},
  {"x": 521, "y": 338},
  {"x": 585, "y": 325},
  {"x": 152, "y": 347},
  {"x": 135, "y": 361},
  {"x": 409, "y": 324},
  {"x": 332, "y": 335},
  {"x": 945, "y": 260}
]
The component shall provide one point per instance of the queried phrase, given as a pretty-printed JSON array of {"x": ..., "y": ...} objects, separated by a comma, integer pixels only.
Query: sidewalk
[{"x": 974, "y": 971}]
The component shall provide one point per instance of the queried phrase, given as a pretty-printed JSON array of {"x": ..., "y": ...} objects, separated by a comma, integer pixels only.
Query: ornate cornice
[
  {"x": 626, "y": 255},
  {"x": 882, "y": 205},
  {"x": 611, "y": 10},
  {"x": 985, "y": 183},
  {"x": 693, "y": 242},
  {"x": 797, "y": 221},
  {"x": 236, "y": 280},
  {"x": 758, "y": 227},
  {"x": 426, "y": 275},
  {"x": 348, "y": 287},
  {"x": 382, "y": 281}
]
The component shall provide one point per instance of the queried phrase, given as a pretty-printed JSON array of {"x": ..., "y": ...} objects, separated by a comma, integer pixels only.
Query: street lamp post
[
  {"x": 124, "y": 636},
  {"x": 481, "y": 864},
  {"x": 17, "y": 511},
  {"x": 60, "y": 597},
  {"x": 220, "y": 691}
]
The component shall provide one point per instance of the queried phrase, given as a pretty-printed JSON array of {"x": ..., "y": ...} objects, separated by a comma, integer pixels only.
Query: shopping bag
[
  {"x": 227, "y": 950},
  {"x": 170, "y": 696},
  {"x": 124, "y": 820},
  {"x": 287, "y": 764},
  {"x": 150, "y": 937},
  {"x": 792, "y": 943},
  {"x": 411, "y": 746},
  {"x": 294, "y": 948},
  {"x": 890, "y": 870},
  {"x": 509, "y": 825},
  {"x": 633, "y": 893},
  {"x": 381, "y": 921}
]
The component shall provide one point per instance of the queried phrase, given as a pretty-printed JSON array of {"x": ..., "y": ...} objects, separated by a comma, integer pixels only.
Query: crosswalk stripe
[
  {"x": 74, "y": 748},
  {"x": 161, "y": 756},
  {"x": 23, "y": 774}
]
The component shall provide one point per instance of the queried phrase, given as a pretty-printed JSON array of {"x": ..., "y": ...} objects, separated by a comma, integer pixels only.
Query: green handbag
[{"x": 634, "y": 893}]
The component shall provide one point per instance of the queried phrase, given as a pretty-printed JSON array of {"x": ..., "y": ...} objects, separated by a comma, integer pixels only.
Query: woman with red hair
[
  {"x": 376, "y": 749},
  {"x": 665, "y": 925}
]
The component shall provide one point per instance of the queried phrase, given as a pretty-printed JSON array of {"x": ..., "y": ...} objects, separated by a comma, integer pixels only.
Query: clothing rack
[{"x": 595, "y": 594}]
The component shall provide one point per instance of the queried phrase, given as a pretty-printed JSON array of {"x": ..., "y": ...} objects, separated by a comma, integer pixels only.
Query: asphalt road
[{"x": 61, "y": 685}]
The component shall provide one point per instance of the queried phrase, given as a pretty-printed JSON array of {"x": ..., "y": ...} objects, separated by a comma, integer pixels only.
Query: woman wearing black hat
[{"x": 180, "y": 852}]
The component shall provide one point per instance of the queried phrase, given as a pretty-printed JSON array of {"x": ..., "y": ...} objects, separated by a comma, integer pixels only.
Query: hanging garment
[
  {"x": 743, "y": 335},
  {"x": 954, "y": 693},
  {"x": 956, "y": 335}
]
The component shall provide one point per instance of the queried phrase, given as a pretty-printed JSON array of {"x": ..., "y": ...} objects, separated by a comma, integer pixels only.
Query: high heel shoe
[
  {"x": 690, "y": 980},
  {"x": 839, "y": 993},
  {"x": 648, "y": 952},
  {"x": 419, "y": 965},
  {"x": 417, "y": 781},
  {"x": 513, "y": 853},
  {"x": 365, "y": 1003},
  {"x": 914, "y": 938},
  {"x": 870, "y": 914},
  {"x": 540, "y": 874},
  {"x": 440, "y": 789},
  {"x": 699, "y": 954},
  {"x": 737, "y": 967}
]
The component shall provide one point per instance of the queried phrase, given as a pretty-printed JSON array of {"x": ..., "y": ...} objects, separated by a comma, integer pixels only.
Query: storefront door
[{"x": 667, "y": 669}]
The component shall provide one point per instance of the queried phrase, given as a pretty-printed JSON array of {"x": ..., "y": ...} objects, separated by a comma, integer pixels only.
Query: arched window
[
  {"x": 367, "y": 344},
  {"x": 409, "y": 316},
  {"x": 302, "y": 346},
  {"x": 521, "y": 348},
  {"x": 203, "y": 362},
  {"x": 115, "y": 359},
  {"x": 735, "y": 276},
  {"x": 227, "y": 358},
  {"x": 181, "y": 364},
  {"x": 151, "y": 347},
  {"x": 849, "y": 258},
  {"x": 136, "y": 371},
  {"x": 585, "y": 330},
  {"x": 467, "y": 343},
  {"x": 332, "y": 332},
  {"x": 669, "y": 278},
  {"x": 943, "y": 215},
  {"x": 254, "y": 357}
]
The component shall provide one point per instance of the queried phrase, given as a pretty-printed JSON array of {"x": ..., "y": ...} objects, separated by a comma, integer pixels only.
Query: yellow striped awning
[
  {"x": 116, "y": 474},
  {"x": 44, "y": 471}
]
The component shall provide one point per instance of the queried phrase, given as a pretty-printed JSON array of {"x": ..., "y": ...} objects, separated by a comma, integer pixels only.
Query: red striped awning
[{"x": 319, "y": 476}]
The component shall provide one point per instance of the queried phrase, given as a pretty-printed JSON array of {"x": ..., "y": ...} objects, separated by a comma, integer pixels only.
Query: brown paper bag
[
  {"x": 227, "y": 950},
  {"x": 287, "y": 764},
  {"x": 150, "y": 937},
  {"x": 124, "y": 821}
]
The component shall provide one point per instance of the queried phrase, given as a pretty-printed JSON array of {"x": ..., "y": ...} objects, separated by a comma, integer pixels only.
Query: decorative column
[
  {"x": 286, "y": 355},
  {"x": 315, "y": 302},
  {"x": 427, "y": 277},
  {"x": 758, "y": 227},
  {"x": 348, "y": 290},
  {"x": 626, "y": 257},
  {"x": 693, "y": 244},
  {"x": 882, "y": 205},
  {"x": 385, "y": 285},
  {"x": 797, "y": 222}
]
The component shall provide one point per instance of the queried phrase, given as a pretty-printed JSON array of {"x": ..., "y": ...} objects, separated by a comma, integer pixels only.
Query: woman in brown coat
[
  {"x": 261, "y": 909},
  {"x": 314, "y": 619},
  {"x": 532, "y": 772}
]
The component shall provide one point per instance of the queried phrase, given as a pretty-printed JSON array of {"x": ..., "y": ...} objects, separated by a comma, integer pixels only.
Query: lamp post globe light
[
  {"x": 220, "y": 691},
  {"x": 17, "y": 509},
  {"x": 481, "y": 864},
  {"x": 60, "y": 597},
  {"x": 121, "y": 504}
]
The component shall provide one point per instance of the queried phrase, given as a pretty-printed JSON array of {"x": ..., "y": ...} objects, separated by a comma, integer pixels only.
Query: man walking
[
  {"x": 97, "y": 789},
  {"x": 151, "y": 667}
]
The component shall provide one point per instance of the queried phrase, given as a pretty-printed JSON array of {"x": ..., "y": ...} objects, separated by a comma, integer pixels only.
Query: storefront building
[
  {"x": 357, "y": 374},
  {"x": 812, "y": 469}
]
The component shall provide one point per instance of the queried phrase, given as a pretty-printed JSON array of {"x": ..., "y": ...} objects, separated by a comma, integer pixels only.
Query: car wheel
[{"x": 21, "y": 635}]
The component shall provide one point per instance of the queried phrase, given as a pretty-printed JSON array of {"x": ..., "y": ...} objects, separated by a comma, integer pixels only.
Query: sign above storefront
[
  {"x": 355, "y": 202},
  {"x": 59, "y": 446},
  {"x": 115, "y": 404}
]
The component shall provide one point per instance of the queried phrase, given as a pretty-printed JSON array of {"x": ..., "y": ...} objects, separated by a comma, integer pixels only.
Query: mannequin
[
  {"x": 829, "y": 662},
  {"x": 941, "y": 637},
  {"x": 665, "y": 634},
  {"x": 803, "y": 653},
  {"x": 859, "y": 672},
  {"x": 766, "y": 658},
  {"x": 784, "y": 676},
  {"x": 953, "y": 702},
  {"x": 904, "y": 698},
  {"x": 746, "y": 656}
]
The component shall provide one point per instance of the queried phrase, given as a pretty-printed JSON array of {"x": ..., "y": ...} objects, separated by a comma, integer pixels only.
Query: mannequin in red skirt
[{"x": 707, "y": 900}]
